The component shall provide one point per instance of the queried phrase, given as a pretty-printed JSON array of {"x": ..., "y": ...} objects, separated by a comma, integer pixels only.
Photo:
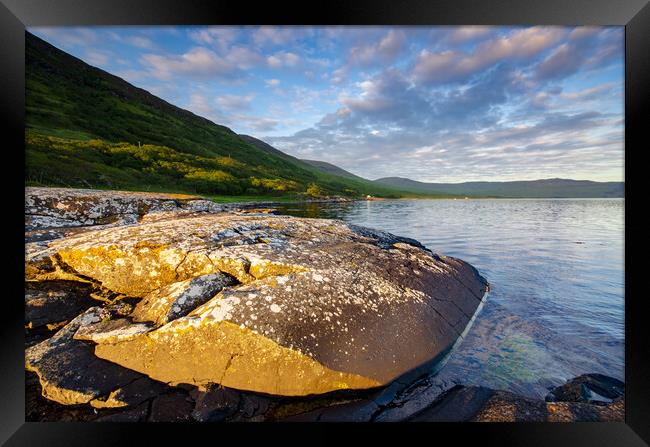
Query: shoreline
[{"x": 333, "y": 199}]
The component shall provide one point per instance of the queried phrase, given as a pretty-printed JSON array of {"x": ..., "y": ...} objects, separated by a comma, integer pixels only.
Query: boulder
[
  {"x": 264, "y": 303},
  {"x": 68, "y": 370},
  {"x": 595, "y": 388}
]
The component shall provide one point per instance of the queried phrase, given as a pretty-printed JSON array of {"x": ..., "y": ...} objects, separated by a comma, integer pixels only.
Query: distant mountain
[
  {"x": 551, "y": 188},
  {"x": 327, "y": 169},
  {"x": 88, "y": 128},
  {"x": 266, "y": 147},
  {"x": 323, "y": 166},
  {"x": 332, "y": 169}
]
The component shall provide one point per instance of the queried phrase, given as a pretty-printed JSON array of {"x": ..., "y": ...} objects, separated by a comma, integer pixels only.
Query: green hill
[
  {"x": 547, "y": 188},
  {"x": 332, "y": 169},
  {"x": 88, "y": 128}
]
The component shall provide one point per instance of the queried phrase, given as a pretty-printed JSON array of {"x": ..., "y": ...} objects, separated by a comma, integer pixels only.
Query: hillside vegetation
[
  {"x": 88, "y": 128},
  {"x": 546, "y": 188}
]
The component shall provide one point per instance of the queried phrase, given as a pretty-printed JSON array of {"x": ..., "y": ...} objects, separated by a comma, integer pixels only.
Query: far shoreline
[{"x": 259, "y": 201}]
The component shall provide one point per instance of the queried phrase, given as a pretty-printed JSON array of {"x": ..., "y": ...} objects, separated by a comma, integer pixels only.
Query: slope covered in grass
[{"x": 88, "y": 128}]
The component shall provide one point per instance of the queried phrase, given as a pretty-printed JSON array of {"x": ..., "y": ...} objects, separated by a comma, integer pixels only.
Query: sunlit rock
[{"x": 272, "y": 304}]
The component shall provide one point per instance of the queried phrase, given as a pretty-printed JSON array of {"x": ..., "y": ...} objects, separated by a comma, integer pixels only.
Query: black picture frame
[{"x": 15, "y": 15}]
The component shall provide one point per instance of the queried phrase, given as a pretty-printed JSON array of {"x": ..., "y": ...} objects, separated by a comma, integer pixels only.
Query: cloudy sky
[{"x": 436, "y": 104}]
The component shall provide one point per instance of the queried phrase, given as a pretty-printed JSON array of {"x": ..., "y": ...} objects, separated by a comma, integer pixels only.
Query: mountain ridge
[
  {"x": 333, "y": 169},
  {"x": 541, "y": 188}
]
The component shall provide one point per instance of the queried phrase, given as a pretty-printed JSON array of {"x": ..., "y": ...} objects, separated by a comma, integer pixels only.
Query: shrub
[
  {"x": 274, "y": 184},
  {"x": 313, "y": 190}
]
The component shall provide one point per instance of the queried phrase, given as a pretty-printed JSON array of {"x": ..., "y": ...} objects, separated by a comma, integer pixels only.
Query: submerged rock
[
  {"x": 270, "y": 304},
  {"x": 594, "y": 388},
  {"x": 480, "y": 404}
]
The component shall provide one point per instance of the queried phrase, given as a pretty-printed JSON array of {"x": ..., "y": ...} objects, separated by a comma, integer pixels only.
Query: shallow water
[{"x": 556, "y": 270}]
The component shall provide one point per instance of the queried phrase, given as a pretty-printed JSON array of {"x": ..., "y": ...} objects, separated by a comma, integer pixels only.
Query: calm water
[{"x": 556, "y": 268}]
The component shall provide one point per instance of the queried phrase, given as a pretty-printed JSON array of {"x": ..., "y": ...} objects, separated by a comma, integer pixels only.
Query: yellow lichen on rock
[
  {"x": 222, "y": 352},
  {"x": 237, "y": 267},
  {"x": 268, "y": 269},
  {"x": 65, "y": 396},
  {"x": 112, "y": 401}
]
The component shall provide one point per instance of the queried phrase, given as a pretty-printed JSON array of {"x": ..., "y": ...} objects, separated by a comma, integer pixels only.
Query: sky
[{"x": 433, "y": 104}]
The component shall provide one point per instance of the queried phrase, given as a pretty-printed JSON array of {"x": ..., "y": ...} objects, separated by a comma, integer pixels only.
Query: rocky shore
[{"x": 158, "y": 307}]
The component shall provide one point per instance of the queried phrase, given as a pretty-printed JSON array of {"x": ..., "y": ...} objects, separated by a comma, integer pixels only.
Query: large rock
[
  {"x": 271, "y": 304},
  {"x": 592, "y": 388},
  {"x": 51, "y": 213},
  {"x": 68, "y": 371}
]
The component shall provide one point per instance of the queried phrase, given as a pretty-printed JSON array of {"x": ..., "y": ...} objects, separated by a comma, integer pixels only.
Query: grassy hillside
[
  {"x": 332, "y": 169},
  {"x": 88, "y": 128},
  {"x": 560, "y": 188}
]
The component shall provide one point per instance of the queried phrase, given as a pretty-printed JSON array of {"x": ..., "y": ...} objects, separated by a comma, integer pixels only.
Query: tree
[{"x": 314, "y": 190}]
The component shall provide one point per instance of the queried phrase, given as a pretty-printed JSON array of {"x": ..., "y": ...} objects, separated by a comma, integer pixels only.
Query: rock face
[
  {"x": 55, "y": 212},
  {"x": 69, "y": 372},
  {"x": 271, "y": 304},
  {"x": 52, "y": 302}
]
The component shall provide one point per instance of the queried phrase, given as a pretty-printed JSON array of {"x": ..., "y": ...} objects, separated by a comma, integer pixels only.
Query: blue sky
[{"x": 435, "y": 104}]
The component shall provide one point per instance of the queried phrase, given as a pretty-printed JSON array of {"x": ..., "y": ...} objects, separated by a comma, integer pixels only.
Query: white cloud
[
  {"x": 244, "y": 58},
  {"x": 97, "y": 58},
  {"x": 235, "y": 102},
  {"x": 259, "y": 124},
  {"x": 588, "y": 94},
  {"x": 387, "y": 49},
  {"x": 68, "y": 37},
  {"x": 198, "y": 61},
  {"x": 282, "y": 59},
  {"x": 202, "y": 62},
  {"x": 273, "y": 35},
  {"x": 470, "y": 33},
  {"x": 141, "y": 42},
  {"x": 200, "y": 104},
  {"x": 220, "y": 36},
  {"x": 452, "y": 65}
]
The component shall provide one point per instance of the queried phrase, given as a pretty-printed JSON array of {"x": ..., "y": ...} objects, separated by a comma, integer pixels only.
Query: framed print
[{"x": 354, "y": 213}]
